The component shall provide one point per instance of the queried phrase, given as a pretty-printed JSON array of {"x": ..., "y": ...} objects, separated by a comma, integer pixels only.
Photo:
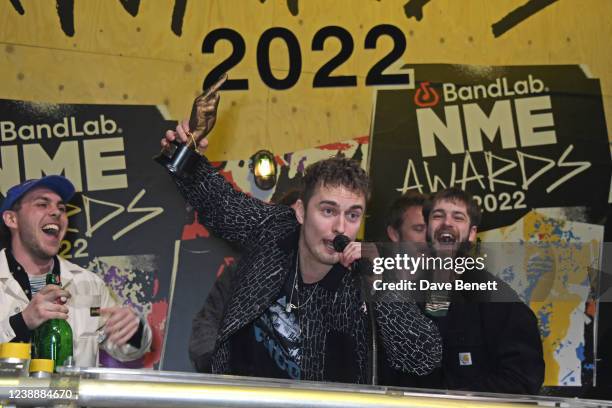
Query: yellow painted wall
[{"x": 114, "y": 57}]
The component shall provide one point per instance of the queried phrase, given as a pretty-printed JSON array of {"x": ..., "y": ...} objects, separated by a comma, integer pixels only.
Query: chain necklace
[{"x": 290, "y": 305}]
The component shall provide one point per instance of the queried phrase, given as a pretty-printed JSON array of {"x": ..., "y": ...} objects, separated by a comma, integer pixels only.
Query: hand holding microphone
[
  {"x": 353, "y": 254},
  {"x": 350, "y": 251}
]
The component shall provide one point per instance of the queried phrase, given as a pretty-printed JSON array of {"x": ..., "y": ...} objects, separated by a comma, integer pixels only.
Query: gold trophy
[{"x": 179, "y": 158}]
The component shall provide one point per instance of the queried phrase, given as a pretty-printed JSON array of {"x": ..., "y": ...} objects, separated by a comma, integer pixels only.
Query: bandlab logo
[{"x": 426, "y": 96}]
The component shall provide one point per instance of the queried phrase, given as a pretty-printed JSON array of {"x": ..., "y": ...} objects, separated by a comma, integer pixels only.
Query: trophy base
[{"x": 178, "y": 159}]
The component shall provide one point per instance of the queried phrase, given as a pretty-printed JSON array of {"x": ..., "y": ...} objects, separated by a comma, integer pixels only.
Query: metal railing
[{"x": 114, "y": 388}]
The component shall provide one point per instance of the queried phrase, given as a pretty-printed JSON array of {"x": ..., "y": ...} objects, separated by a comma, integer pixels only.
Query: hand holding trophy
[{"x": 181, "y": 148}]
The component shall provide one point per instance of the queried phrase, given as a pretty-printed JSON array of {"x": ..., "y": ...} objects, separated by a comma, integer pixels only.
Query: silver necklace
[{"x": 290, "y": 305}]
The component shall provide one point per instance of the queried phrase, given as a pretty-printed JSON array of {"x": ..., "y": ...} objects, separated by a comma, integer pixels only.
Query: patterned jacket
[{"x": 333, "y": 320}]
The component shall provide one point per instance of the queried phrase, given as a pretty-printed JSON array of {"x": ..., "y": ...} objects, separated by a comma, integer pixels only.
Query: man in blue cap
[{"x": 34, "y": 222}]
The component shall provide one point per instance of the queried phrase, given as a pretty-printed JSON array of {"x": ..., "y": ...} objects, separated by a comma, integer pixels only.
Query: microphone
[{"x": 340, "y": 242}]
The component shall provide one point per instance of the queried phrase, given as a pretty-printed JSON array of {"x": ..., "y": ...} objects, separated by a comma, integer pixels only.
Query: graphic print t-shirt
[{"x": 271, "y": 345}]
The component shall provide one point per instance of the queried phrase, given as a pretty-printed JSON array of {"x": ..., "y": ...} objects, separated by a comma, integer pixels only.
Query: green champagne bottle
[{"x": 53, "y": 339}]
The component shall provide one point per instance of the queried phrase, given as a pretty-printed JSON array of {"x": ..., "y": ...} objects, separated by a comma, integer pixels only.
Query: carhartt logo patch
[{"x": 465, "y": 359}]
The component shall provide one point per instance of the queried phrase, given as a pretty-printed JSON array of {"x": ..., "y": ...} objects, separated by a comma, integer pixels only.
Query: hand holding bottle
[
  {"x": 52, "y": 339},
  {"x": 45, "y": 305}
]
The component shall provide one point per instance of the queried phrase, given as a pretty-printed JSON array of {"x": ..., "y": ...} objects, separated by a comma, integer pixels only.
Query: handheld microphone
[{"x": 340, "y": 242}]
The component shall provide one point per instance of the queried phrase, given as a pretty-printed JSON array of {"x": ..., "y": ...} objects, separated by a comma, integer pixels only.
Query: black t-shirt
[{"x": 271, "y": 345}]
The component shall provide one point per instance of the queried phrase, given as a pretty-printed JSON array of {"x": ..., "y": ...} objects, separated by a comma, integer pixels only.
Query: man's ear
[
  {"x": 10, "y": 219},
  {"x": 393, "y": 234},
  {"x": 473, "y": 233},
  {"x": 299, "y": 210}
]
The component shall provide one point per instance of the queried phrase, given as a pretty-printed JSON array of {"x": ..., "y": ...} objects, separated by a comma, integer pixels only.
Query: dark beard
[{"x": 462, "y": 249}]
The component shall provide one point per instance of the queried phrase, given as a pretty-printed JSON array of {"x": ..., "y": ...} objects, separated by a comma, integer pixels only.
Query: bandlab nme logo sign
[{"x": 516, "y": 137}]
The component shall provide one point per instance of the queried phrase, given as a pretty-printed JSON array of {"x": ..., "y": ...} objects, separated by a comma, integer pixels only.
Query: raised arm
[{"x": 230, "y": 214}]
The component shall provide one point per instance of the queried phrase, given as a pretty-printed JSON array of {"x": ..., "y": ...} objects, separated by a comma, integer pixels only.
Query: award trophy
[{"x": 180, "y": 159}]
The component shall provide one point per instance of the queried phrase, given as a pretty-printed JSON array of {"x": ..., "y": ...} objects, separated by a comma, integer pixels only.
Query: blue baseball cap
[{"x": 58, "y": 184}]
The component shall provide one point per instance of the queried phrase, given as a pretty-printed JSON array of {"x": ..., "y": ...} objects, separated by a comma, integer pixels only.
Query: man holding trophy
[{"x": 297, "y": 310}]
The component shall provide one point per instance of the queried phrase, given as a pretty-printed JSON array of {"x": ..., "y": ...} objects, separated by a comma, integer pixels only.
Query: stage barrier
[{"x": 114, "y": 388}]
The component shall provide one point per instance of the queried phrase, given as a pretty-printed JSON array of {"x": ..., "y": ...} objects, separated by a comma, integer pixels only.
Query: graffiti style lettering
[
  {"x": 87, "y": 206},
  {"x": 292, "y": 5},
  {"x": 493, "y": 173},
  {"x": 519, "y": 15},
  {"x": 178, "y": 14},
  {"x": 131, "y": 6},
  {"x": 414, "y": 8},
  {"x": 72, "y": 210},
  {"x": 18, "y": 7},
  {"x": 580, "y": 167},
  {"x": 150, "y": 212},
  {"x": 470, "y": 172},
  {"x": 65, "y": 12}
]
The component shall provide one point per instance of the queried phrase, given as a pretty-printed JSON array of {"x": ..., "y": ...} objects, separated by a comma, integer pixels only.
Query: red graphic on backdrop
[
  {"x": 279, "y": 161},
  {"x": 194, "y": 230},
  {"x": 157, "y": 322},
  {"x": 426, "y": 96},
  {"x": 362, "y": 139},
  {"x": 155, "y": 286},
  {"x": 335, "y": 146}
]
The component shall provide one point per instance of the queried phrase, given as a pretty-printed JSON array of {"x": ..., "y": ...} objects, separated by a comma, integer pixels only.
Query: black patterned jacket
[{"x": 268, "y": 234}]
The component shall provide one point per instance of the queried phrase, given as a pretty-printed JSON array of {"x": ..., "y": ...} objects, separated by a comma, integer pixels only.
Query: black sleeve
[
  {"x": 230, "y": 214},
  {"x": 411, "y": 341},
  {"x": 208, "y": 320},
  {"x": 22, "y": 332}
]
